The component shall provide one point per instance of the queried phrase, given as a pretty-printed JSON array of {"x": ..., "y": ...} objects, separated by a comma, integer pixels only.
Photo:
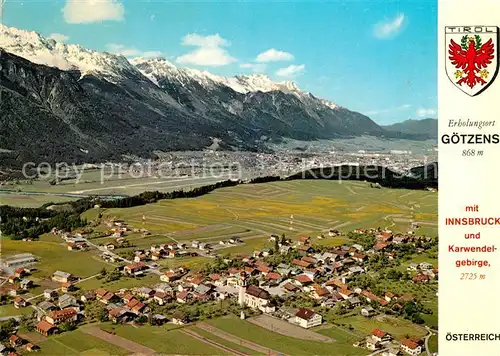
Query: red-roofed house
[
  {"x": 307, "y": 318},
  {"x": 45, "y": 328},
  {"x": 380, "y": 335},
  {"x": 411, "y": 346},
  {"x": 303, "y": 280}
]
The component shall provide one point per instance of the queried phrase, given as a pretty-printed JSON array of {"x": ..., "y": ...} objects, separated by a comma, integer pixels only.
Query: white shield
[{"x": 471, "y": 59}]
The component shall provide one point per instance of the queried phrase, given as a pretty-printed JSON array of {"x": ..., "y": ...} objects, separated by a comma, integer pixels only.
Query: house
[
  {"x": 307, "y": 318},
  {"x": 426, "y": 266},
  {"x": 46, "y": 306},
  {"x": 66, "y": 301},
  {"x": 119, "y": 315},
  {"x": 162, "y": 297},
  {"x": 87, "y": 297},
  {"x": 273, "y": 277},
  {"x": 13, "y": 279},
  {"x": 30, "y": 347},
  {"x": 158, "y": 319},
  {"x": 62, "y": 277},
  {"x": 372, "y": 343},
  {"x": 145, "y": 292},
  {"x": 26, "y": 284},
  {"x": 45, "y": 328},
  {"x": 319, "y": 292},
  {"x": 303, "y": 280},
  {"x": 67, "y": 287},
  {"x": 421, "y": 278},
  {"x": 109, "y": 297},
  {"x": 345, "y": 293},
  {"x": 184, "y": 297},
  {"x": 304, "y": 250},
  {"x": 392, "y": 352},
  {"x": 292, "y": 288},
  {"x": 61, "y": 316},
  {"x": 412, "y": 346},
  {"x": 21, "y": 272},
  {"x": 353, "y": 302},
  {"x": 20, "y": 303},
  {"x": 381, "y": 336},
  {"x": 412, "y": 267},
  {"x": 170, "y": 276},
  {"x": 257, "y": 298},
  {"x": 179, "y": 318},
  {"x": 301, "y": 263},
  {"x": 368, "y": 311},
  {"x": 135, "y": 269},
  {"x": 304, "y": 240},
  {"x": 15, "y": 341}
]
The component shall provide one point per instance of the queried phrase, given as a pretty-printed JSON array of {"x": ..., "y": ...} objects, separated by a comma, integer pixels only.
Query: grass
[
  {"x": 163, "y": 339},
  {"x": 10, "y": 310},
  {"x": 78, "y": 343},
  {"x": 339, "y": 334},
  {"x": 433, "y": 343},
  {"x": 224, "y": 342},
  {"x": 281, "y": 343},
  {"x": 397, "y": 327}
]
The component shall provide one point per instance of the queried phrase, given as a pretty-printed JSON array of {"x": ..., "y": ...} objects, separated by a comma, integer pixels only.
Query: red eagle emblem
[{"x": 471, "y": 58}]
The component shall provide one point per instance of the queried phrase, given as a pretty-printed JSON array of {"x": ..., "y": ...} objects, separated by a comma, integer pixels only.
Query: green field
[
  {"x": 397, "y": 327},
  {"x": 258, "y": 210},
  {"x": 78, "y": 343},
  {"x": 251, "y": 212},
  {"x": 166, "y": 339},
  {"x": 278, "y": 342}
]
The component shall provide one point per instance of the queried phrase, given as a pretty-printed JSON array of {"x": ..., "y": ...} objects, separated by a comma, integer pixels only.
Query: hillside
[{"x": 424, "y": 127}]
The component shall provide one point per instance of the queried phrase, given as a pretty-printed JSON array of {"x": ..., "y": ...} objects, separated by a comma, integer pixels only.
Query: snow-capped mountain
[
  {"x": 65, "y": 102},
  {"x": 40, "y": 50}
]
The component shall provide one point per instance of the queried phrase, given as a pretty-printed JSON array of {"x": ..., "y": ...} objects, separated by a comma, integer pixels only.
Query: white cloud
[
  {"x": 131, "y": 51},
  {"x": 388, "y": 110},
  {"x": 255, "y": 67},
  {"x": 59, "y": 37},
  {"x": 291, "y": 70},
  {"x": 88, "y": 11},
  {"x": 210, "y": 51},
  {"x": 389, "y": 28},
  {"x": 427, "y": 113},
  {"x": 273, "y": 55}
]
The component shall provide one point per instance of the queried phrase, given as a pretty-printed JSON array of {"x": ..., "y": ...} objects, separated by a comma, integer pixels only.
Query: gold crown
[{"x": 471, "y": 39}]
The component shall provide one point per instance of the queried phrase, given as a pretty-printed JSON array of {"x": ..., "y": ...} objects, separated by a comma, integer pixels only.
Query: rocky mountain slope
[{"x": 66, "y": 103}]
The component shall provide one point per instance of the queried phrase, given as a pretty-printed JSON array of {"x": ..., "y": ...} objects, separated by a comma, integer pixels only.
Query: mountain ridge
[{"x": 67, "y": 103}]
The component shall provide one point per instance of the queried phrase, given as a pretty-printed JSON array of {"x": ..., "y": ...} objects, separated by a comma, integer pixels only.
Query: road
[{"x": 426, "y": 339}]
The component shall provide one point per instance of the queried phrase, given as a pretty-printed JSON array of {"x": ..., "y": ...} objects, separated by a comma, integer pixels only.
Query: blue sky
[{"x": 376, "y": 57}]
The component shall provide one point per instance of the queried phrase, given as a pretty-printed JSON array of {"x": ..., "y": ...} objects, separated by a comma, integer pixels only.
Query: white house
[
  {"x": 307, "y": 318},
  {"x": 411, "y": 347}
]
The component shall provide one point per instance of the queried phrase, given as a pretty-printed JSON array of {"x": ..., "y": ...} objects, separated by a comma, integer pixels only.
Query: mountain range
[
  {"x": 62, "y": 102},
  {"x": 425, "y": 127}
]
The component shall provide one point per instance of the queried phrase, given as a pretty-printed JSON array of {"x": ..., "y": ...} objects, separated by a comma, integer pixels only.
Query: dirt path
[
  {"x": 119, "y": 341},
  {"x": 211, "y": 342},
  {"x": 238, "y": 340}
]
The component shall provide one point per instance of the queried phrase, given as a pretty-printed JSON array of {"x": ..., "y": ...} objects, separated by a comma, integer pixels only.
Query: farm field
[
  {"x": 280, "y": 343},
  {"x": 250, "y": 212},
  {"x": 397, "y": 327},
  {"x": 254, "y": 211},
  {"x": 166, "y": 339},
  {"x": 92, "y": 183}
]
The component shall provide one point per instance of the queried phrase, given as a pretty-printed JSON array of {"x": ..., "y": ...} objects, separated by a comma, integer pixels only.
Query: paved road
[{"x": 426, "y": 339}]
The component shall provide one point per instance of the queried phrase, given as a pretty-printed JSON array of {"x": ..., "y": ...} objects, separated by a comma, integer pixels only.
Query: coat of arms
[{"x": 472, "y": 57}]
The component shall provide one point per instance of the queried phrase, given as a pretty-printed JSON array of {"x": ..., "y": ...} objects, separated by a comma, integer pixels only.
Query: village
[{"x": 291, "y": 283}]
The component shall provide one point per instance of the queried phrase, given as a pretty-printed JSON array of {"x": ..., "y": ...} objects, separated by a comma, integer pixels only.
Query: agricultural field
[
  {"x": 288, "y": 345},
  {"x": 97, "y": 182},
  {"x": 254, "y": 211},
  {"x": 251, "y": 212}
]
